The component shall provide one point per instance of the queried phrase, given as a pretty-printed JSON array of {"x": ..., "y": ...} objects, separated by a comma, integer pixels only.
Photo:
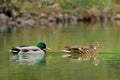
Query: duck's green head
[{"x": 42, "y": 46}]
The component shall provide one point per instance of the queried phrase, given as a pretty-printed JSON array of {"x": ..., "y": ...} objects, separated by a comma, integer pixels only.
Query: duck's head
[
  {"x": 95, "y": 45},
  {"x": 43, "y": 46}
]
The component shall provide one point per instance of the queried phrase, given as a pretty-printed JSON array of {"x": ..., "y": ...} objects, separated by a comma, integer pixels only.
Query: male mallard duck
[
  {"x": 40, "y": 48},
  {"x": 77, "y": 51},
  {"x": 29, "y": 54}
]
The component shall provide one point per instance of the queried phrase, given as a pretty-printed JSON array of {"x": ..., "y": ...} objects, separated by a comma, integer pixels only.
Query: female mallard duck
[
  {"x": 79, "y": 51},
  {"x": 29, "y": 54}
]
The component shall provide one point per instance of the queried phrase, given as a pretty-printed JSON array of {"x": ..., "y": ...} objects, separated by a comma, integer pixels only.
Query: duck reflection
[
  {"x": 27, "y": 59},
  {"x": 83, "y": 53},
  {"x": 84, "y": 57}
]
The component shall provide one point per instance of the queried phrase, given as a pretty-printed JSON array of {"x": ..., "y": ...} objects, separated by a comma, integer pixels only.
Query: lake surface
[{"x": 57, "y": 67}]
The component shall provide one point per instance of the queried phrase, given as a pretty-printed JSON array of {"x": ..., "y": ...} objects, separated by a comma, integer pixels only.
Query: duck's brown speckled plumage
[{"x": 77, "y": 51}]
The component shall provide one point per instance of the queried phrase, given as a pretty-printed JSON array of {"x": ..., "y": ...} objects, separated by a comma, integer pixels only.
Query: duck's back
[{"x": 89, "y": 51}]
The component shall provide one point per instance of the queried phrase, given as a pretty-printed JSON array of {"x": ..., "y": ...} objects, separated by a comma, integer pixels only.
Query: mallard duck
[
  {"x": 40, "y": 48},
  {"x": 29, "y": 54},
  {"x": 77, "y": 51}
]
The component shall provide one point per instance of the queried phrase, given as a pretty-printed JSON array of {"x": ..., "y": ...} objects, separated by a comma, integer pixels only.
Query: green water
[{"x": 57, "y": 67}]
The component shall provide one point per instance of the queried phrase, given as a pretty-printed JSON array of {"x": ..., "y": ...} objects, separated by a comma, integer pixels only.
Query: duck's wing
[
  {"x": 29, "y": 48},
  {"x": 87, "y": 50},
  {"x": 67, "y": 51},
  {"x": 16, "y": 50}
]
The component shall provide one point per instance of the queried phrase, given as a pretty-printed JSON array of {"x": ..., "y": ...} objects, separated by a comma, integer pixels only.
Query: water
[{"x": 57, "y": 67}]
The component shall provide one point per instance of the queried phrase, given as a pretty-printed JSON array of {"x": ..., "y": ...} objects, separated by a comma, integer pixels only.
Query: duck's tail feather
[
  {"x": 66, "y": 51},
  {"x": 15, "y": 50}
]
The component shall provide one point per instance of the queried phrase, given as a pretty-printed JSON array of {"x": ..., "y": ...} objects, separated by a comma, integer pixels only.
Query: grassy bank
[{"x": 81, "y": 8}]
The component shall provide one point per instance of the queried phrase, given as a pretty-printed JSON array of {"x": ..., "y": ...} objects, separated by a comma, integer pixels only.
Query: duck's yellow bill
[{"x": 47, "y": 48}]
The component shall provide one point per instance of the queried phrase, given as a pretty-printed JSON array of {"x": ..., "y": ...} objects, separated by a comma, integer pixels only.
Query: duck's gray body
[
  {"x": 28, "y": 54},
  {"x": 28, "y": 50}
]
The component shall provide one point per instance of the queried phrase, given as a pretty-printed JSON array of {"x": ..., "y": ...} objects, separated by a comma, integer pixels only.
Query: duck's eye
[
  {"x": 25, "y": 50},
  {"x": 35, "y": 49}
]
